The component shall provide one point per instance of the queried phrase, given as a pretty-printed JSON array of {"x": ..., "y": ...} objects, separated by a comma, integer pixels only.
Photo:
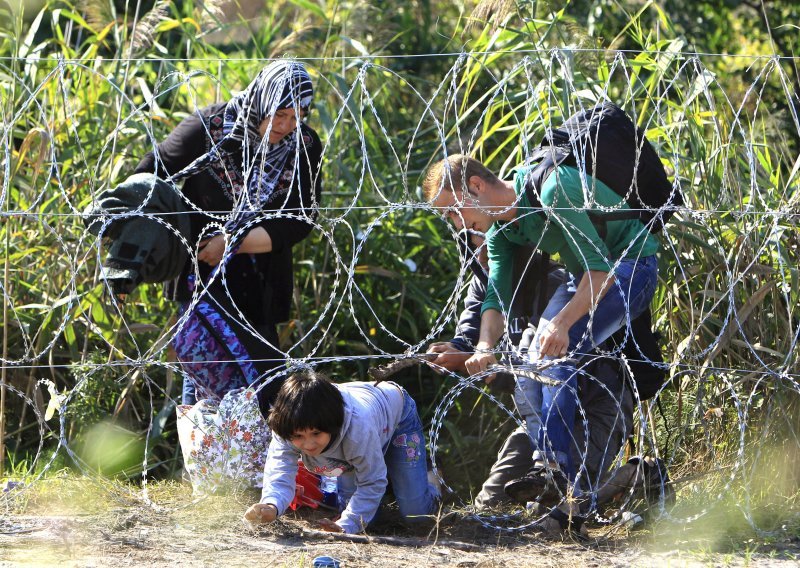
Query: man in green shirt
[{"x": 613, "y": 279}]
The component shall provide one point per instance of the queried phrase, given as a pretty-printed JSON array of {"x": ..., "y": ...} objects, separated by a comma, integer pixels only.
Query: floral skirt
[{"x": 224, "y": 444}]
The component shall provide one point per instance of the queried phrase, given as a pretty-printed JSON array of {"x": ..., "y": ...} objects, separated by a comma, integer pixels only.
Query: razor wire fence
[{"x": 381, "y": 276}]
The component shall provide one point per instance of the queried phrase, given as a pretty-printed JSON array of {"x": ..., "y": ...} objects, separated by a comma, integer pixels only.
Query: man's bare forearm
[
  {"x": 593, "y": 286},
  {"x": 492, "y": 325}
]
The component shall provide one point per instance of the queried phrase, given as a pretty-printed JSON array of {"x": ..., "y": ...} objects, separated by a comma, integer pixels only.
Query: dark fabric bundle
[{"x": 142, "y": 248}]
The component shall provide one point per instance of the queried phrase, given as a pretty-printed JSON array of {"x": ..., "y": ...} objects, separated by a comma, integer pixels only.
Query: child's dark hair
[{"x": 306, "y": 401}]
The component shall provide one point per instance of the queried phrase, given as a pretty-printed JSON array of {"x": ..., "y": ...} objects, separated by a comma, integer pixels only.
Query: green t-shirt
[{"x": 564, "y": 229}]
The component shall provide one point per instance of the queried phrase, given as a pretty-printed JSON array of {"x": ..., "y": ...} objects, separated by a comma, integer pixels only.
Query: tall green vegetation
[{"x": 88, "y": 88}]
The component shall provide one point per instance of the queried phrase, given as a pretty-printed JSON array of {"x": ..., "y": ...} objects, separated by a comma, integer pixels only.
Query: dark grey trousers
[{"x": 609, "y": 419}]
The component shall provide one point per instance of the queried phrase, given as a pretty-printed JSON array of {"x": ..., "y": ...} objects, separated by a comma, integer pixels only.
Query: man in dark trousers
[
  {"x": 604, "y": 395},
  {"x": 613, "y": 275}
]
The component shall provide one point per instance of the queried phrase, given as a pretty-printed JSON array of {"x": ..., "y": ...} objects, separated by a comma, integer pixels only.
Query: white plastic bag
[{"x": 225, "y": 443}]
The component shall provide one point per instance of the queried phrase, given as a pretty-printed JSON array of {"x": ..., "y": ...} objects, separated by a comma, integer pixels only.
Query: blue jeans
[
  {"x": 549, "y": 411},
  {"x": 406, "y": 467}
]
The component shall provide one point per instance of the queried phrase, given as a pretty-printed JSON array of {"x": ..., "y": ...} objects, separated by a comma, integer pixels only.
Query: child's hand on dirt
[
  {"x": 329, "y": 526},
  {"x": 261, "y": 513}
]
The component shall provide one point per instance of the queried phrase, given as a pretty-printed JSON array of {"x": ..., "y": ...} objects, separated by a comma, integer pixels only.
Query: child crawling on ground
[{"x": 360, "y": 433}]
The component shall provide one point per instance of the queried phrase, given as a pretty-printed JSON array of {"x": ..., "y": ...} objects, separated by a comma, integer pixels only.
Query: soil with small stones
[{"x": 133, "y": 531}]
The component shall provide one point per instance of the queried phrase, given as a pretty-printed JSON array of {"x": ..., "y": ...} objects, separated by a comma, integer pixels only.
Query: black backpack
[{"x": 604, "y": 142}]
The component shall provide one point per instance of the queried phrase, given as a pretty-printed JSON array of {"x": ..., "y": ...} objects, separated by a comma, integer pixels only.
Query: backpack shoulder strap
[
  {"x": 548, "y": 158},
  {"x": 543, "y": 161}
]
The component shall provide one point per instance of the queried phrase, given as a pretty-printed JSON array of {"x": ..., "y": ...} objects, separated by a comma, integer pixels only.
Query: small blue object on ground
[
  {"x": 326, "y": 562},
  {"x": 12, "y": 485}
]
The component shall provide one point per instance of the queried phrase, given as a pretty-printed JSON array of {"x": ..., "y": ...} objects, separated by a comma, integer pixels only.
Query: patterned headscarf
[{"x": 281, "y": 84}]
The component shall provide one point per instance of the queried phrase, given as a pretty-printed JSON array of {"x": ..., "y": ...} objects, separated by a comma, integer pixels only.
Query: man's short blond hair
[{"x": 456, "y": 170}]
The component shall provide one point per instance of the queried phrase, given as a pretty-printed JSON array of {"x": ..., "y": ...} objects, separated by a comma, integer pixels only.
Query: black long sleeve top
[{"x": 259, "y": 284}]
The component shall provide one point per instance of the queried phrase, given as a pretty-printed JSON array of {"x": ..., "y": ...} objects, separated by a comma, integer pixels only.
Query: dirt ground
[{"x": 86, "y": 525}]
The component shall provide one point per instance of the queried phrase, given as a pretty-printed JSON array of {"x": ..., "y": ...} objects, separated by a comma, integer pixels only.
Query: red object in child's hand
[{"x": 307, "y": 492}]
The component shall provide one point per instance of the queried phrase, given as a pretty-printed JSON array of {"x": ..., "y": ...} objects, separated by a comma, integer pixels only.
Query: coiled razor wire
[{"x": 702, "y": 312}]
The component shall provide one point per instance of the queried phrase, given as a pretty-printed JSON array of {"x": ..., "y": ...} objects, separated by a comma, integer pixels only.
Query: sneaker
[
  {"x": 543, "y": 484},
  {"x": 570, "y": 522},
  {"x": 652, "y": 482},
  {"x": 435, "y": 477},
  {"x": 435, "y": 484}
]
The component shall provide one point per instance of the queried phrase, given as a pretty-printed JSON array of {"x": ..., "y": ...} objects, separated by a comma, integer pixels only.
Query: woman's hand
[
  {"x": 329, "y": 526},
  {"x": 554, "y": 339},
  {"x": 261, "y": 513},
  {"x": 213, "y": 250}
]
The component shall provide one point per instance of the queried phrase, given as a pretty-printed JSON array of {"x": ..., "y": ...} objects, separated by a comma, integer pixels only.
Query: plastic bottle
[
  {"x": 329, "y": 487},
  {"x": 326, "y": 562}
]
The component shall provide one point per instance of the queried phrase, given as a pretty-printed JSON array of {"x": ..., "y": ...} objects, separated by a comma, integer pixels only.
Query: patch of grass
[{"x": 723, "y": 528}]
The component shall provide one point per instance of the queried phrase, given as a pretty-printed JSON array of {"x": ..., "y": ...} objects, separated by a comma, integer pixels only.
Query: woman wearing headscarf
[{"x": 250, "y": 173}]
